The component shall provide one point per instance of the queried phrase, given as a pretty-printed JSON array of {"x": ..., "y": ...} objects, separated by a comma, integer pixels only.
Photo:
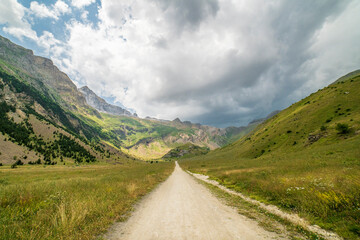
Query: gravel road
[{"x": 181, "y": 208}]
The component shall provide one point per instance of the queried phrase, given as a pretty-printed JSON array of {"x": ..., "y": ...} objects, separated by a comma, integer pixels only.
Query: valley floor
[{"x": 181, "y": 208}]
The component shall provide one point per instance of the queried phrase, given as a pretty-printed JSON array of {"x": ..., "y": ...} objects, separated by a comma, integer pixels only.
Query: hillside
[
  {"x": 304, "y": 159},
  {"x": 39, "y": 114}
]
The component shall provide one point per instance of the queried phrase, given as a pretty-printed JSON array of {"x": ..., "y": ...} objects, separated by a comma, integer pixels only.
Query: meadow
[
  {"x": 326, "y": 191},
  {"x": 72, "y": 202}
]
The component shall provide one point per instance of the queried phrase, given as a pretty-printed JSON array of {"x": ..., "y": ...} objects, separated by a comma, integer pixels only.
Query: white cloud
[
  {"x": 53, "y": 11},
  {"x": 61, "y": 7},
  {"x": 41, "y": 10},
  {"x": 223, "y": 63},
  {"x": 218, "y": 62},
  {"x": 84, "y": 15},
  {"x": 155, "y": 71},
  {"x": 12, "y": 15},
  {"x": 81, "y": 3}
]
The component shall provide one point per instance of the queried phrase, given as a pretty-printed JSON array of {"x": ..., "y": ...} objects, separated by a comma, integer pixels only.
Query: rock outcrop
[{"x": 101, "y": 105}]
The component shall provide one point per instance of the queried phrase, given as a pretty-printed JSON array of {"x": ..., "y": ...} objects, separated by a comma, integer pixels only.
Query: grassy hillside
[
  {"x": 68, "y": 202},
  {"x": 305, "y": 159},
  {"x": 186, "y": 151},
  {"x": 43, "y": 131}
]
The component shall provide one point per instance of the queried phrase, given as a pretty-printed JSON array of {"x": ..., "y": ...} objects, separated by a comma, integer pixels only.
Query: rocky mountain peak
[
  {"x": 177, "y": 120},
  {"x": 101, "y": 105}
]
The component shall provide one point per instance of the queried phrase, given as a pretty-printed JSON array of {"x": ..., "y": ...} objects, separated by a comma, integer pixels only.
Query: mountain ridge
[{"x": 101, "y": 104}]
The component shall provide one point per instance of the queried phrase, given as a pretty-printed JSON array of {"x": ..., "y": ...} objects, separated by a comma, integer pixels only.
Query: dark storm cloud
[
  {"x": 240, "y": 92},
  {"x": 216, "y": 62},
  {"x": 295, "y": 24},
  {"x": 188, "y": 13}
]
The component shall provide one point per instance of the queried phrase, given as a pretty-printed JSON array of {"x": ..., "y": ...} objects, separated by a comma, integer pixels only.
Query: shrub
[
  {"x": 323, "y": 128},
  {"x": 342, "y": 128},
  {"x": 1, "y": 164},
  {"x": 19, "y": 162}
]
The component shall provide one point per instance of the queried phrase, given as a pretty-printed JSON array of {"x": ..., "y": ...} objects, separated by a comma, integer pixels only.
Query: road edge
[{"x": 290, "y": 217}]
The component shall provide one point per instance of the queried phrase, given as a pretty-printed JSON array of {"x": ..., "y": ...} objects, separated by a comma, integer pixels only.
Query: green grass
[
  {"x": 265, "y": 219},
  {"x": 81, "y": 202},
  {"x": 299, "y": 160}
]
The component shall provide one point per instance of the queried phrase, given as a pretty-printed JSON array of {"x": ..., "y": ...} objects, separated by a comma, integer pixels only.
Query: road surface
[{"x": 181, "y": 208}]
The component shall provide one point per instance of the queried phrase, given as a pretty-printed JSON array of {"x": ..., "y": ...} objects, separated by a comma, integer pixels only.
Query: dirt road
[{"x": 181, "y": 208}]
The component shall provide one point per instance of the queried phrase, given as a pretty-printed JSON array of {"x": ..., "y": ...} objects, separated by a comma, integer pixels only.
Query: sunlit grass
[{"x": 61, "y": 202}]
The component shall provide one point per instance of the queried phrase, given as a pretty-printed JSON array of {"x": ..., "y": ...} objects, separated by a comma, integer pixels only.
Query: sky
[{"x": 216, "y": 62}]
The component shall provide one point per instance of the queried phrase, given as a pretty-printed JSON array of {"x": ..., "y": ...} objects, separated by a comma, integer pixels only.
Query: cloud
[
  {"x": 53, "y": 11},
  {"x": 217, "y": 62},
  {"x": 12, "y": 16},
  {"x": 188, "y": 13},
  {"x": 81, "y": 3}
]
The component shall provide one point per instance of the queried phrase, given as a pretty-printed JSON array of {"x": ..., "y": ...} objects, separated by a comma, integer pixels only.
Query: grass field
[
  {"x": 300, "y": 160},
  {"x": 72, "y": 202}
]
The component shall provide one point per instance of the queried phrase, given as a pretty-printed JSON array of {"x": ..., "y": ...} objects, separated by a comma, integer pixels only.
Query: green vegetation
[
  {"x": 59, "y": 202},
  {"x": 306, "y": 159},
  {"x": 343, "y": 128},
  {"x": 23, "y": 134},
  {"x": 54, "y": 110},
  {"x": 187, "y": 150}
]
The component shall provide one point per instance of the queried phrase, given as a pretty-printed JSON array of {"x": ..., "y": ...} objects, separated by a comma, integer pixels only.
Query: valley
[{"x": 71, "y": 164}]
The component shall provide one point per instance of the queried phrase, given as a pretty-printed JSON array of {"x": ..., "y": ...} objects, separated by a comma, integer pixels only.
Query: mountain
[
  {"x": 40, "y": 109},
  {"x": 101, "y": 105},
  {"x": 37, "y": 96},
  {"x": 305, "y": 159},
  {"x": 41, "y": 74}
]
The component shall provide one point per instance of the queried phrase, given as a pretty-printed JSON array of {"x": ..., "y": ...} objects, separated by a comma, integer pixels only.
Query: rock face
[{"x": 101, "y": 105}]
